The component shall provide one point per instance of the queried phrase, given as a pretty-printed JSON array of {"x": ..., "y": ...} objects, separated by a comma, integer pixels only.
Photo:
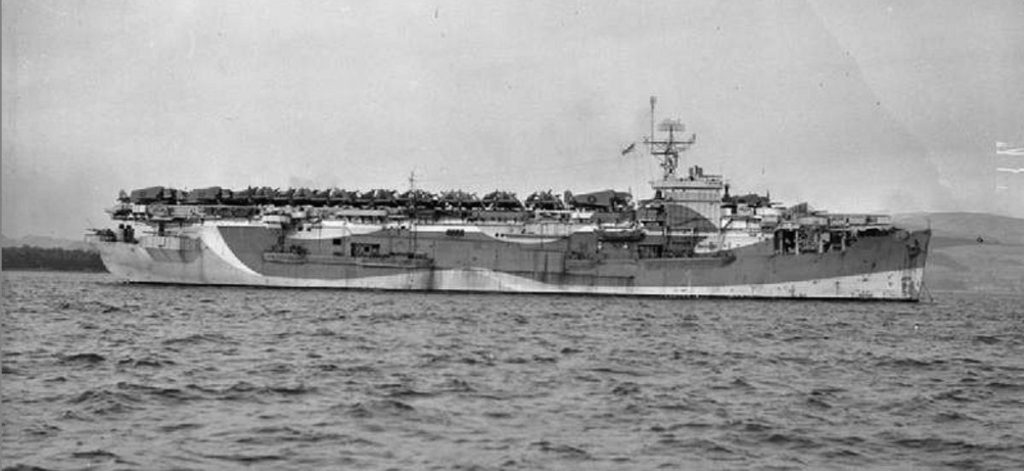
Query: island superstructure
[{"x": 692, "y": 238}]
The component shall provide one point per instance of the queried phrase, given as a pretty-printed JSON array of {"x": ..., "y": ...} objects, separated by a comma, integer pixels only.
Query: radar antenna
[{"x": 668, "y": 150}]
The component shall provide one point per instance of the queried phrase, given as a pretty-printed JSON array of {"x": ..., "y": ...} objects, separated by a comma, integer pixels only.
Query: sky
[{"x": 880, "y": 106}]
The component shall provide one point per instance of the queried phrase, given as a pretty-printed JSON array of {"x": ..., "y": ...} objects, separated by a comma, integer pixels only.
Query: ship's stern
[{"x": 148, "y": 259}]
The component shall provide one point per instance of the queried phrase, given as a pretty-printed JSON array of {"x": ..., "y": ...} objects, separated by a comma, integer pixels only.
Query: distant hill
[
  {"x": 967, "y": 227},
  {"x": 972, "y": 251},
  {"x": 49, "y": 253},
  {"x": 45, "y": 242},
  {"x": 55, "y": 258}
]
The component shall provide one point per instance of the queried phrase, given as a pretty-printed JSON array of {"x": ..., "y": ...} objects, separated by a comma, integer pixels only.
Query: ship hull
[{"x": 885, "y": 267}]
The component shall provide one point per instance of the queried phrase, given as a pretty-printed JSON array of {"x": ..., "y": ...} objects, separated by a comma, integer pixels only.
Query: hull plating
[{"x": 888, "y": 267}]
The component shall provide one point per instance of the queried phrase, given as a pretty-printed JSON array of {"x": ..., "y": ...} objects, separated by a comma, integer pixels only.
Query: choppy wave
[{"x": 101, "y": 375}]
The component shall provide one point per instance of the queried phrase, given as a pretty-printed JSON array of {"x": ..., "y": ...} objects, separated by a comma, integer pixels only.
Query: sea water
[{"x": 103, "y": 375}]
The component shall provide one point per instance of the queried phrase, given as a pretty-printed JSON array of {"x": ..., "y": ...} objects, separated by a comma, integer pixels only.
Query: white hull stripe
[{"x": 214, "y": 243}]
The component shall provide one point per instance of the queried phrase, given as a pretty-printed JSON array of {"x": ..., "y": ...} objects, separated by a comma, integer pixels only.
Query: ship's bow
[{"x": 916, "y": 254}]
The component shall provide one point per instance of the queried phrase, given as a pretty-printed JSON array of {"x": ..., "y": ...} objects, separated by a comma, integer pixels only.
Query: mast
[
  {"x": 411, "y": 208},
  {"x": 654, "y": 101},
  {"x": 668, "y": 150}
]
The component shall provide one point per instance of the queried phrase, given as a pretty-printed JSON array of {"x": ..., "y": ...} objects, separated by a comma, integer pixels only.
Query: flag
[{"x": 629, "y": 149}]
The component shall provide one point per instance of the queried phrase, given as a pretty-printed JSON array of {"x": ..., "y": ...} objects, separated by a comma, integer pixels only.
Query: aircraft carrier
[{"x": 691, "y": 238}]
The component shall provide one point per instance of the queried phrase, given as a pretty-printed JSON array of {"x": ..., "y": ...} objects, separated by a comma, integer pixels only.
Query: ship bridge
[{"x": 699, "y": 193}]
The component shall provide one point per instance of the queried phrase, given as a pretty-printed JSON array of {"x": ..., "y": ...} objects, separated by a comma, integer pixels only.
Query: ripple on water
[{"x": 104, "y": 375}]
